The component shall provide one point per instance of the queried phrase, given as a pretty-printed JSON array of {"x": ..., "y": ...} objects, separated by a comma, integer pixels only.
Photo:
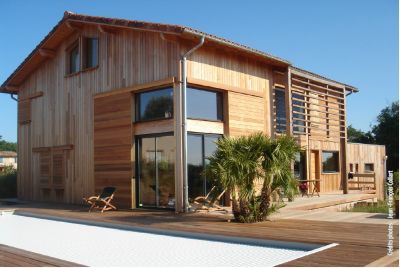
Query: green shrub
[
  {"x": 8, "y": 183},
  {"x": 379, "y": 207}
]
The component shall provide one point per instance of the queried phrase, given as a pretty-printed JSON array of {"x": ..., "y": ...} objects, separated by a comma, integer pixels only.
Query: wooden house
[
  {"x": 114, "y": 102},
  {"x": 8, "y": 159}
]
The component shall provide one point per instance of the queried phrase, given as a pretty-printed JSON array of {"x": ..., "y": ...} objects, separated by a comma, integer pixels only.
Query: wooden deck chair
[
  {"x": 208, "y": 203},
  {"x": 102, "y": 201}
]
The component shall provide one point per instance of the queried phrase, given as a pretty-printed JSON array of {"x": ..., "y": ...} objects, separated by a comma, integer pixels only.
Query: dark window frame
[
  {"x": 203, "y": 154},
  {"x": 138, "y": 167},
  {"x": 280, "y": 128},
  {"x": 337, "y": 170},
  {"x": 74, "y": 46},
  {"x": 137, "y": 116},
  {"x": 220, "y": 101},
  {"x": 85, "y": 53}
]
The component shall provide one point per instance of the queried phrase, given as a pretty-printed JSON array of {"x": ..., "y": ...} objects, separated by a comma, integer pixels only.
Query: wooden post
[{"x": 343, "y": 148}]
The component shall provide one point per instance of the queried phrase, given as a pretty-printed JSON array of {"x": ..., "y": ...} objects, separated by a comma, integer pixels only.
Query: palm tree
[
  {"x": 239, "y": 162},
  {"x": 278, "y": 156}
]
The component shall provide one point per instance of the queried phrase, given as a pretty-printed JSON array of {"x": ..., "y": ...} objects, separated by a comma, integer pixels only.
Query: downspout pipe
[
  {"x": 14, "y": 98},
  {"x": 184, "y": 122}
]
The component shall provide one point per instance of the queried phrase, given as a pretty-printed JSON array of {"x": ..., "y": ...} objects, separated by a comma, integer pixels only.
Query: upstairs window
[
  {"x": 280, "y": 110},
  {"x": 73, "y": 59},
  {"x": 155, "y": 104},
  {"x": 204, "y": 104},
  {"x": 330, "y": 162},
  {"x": 90, "y": 52}
]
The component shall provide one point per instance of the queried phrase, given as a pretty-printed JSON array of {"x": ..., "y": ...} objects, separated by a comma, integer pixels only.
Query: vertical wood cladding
[{"x": 112, "y": 145}]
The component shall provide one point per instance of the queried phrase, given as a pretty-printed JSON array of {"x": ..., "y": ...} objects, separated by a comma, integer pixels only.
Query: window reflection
[
  {"x": 204, "y": 104},
  {"x": 156, "y": 104}
]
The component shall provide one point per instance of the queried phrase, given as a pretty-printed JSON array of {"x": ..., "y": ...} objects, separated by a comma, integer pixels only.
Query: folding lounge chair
[
  {"x": 208, "y": 203},
  {"x": 102, "y": 201}
]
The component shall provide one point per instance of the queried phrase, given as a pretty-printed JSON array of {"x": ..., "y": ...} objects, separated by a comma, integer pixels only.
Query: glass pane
[
  {"x": 157, "y": 104},
  {"x": 92, "y": 52},
  {"x": 300, "y": 166},
  {"x": 280, "y": 111},
  {"x": 195, "y": 166},
  {"x": 74, "y": 60},
  {"x": 330, "y": 162},
  {"x": 147, "y": 175},
  {"x": 209, "y": 149},
  {"x": 165, "y": 158},
  {"x": 203, "y": 104}
]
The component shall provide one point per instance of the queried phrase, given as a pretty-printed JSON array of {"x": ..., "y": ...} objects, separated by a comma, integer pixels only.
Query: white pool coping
[{"x": 106, "y": 244}]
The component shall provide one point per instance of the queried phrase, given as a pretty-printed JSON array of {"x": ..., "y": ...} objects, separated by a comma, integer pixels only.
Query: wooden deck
[
  {"x": 359, "y": 245},
  {"x": 14, "y": 257}
]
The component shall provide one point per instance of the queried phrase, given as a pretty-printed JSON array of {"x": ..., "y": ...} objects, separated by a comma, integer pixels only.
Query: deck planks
[
  {"x": 359, "y": 245},
  {"x": 14, "y": 257}
]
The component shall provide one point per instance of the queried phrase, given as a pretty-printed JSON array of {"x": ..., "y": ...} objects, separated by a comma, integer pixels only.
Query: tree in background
[
  {"x": 359, "y": 136},
  {"x": 386, "y": 132},
  {"x": 7, "y": 146}
]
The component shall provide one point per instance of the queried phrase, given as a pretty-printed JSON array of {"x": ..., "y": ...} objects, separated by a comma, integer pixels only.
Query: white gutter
[{"x": 184, "y": 123}]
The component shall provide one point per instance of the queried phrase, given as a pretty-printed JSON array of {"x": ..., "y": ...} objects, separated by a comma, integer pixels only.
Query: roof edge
[{"x": 346, "y": 86}]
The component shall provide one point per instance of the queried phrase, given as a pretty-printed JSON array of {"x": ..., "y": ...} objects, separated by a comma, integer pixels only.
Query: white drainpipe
[{"x": 184, "y": 123}]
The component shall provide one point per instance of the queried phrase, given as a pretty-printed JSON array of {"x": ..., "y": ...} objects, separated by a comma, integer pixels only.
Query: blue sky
[{"x": 352, "y": 41}]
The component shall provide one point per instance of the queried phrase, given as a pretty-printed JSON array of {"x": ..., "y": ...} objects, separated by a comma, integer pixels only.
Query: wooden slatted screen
[
  {"x": 24, "y": 111},
  {"x": 45, "y": 166},
  {"x": 58, "y": 169},
  {"x": 112, "y": 145}
]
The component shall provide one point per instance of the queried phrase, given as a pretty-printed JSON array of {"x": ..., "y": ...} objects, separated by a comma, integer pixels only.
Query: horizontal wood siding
[
  {"x": 362, "y": 154},
  {"x": 246, "y": 114},
  {"x": 112, "y": 145}
]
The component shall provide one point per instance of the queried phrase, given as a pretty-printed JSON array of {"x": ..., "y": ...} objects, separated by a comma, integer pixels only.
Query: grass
[{"x": 379, "y": 207}]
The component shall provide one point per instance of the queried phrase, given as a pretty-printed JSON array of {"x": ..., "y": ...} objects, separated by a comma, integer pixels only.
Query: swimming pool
[{"x": 103, "y": 246}]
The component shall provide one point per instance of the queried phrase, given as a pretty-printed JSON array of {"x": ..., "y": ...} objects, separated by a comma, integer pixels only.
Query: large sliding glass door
[
  {"x": 156, "y": 171},
  {"x": 199, "y": 148}
]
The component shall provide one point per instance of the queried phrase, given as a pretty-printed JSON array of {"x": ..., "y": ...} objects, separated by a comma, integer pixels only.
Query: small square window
[
  {"x": 330, "y": 162},
  {"x": 369, "y": 167}
]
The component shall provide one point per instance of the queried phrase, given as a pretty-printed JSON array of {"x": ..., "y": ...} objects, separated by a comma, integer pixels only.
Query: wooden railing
[{"x": 367, "y": 180}]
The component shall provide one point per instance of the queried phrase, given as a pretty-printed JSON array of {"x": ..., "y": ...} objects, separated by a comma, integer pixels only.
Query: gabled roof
[{"x": 65, "y": 27}]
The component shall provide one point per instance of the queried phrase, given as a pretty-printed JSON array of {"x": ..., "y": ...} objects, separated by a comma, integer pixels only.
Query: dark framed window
[
  {"x": 280, "y": 110},
  {"x": 204, "y": 104},
  {"x": 300, "y": 166},
  {"x": 155, "y": 170},
  {"x": 330, "y": 162},
  {"x": 74, "y": 59},
  {"x": 351, "y": 167},
  {"x": 199, "y": 148},
  {"x": 155, "y": 104},
  {"x": 91, "y": 52},
  {"x": 298, "y": 110},
  {"x": 368, "y": 167}
]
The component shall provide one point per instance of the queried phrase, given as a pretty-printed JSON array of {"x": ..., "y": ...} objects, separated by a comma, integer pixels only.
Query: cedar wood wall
[{"x": 65, "y": 113}]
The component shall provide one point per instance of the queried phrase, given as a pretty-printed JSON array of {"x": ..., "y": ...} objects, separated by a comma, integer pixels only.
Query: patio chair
[
  {"x": 102, "y": 201},
  {"x": 208, "y": 203}
]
